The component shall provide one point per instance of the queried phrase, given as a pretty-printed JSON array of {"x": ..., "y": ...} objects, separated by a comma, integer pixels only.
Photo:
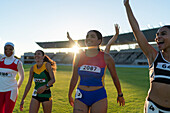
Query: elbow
[
  {"x": 22, "y": 78},
  {"x": 54, "y": 81}
]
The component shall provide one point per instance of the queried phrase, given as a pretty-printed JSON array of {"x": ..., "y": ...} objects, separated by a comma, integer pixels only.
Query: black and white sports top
[{"x": 160, "y": 70}]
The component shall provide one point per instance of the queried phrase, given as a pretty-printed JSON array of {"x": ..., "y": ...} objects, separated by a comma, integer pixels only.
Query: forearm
[
  {"x": 111, "y": 41},
  {"x": 107, "y": 49},
  {"x": 21, "y": 74},
  {"x": 75, "y": 75},
  {"x": 21, "y": 79},
  {"x": 132, "y": 20},
  {"x": 111, "y": 67},
  {"x": 51, "y": 82},
  {"x": 52, "y": 77},
  {"x": 26, "y": 91},
  {"x": 72, "y": 85},
  {"x": 117, "y": 85},
  {"x": 140, "y": 38}
]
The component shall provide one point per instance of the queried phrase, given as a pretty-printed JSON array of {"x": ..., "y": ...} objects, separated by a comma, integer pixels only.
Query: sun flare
[{"x": 75, "y": 49}]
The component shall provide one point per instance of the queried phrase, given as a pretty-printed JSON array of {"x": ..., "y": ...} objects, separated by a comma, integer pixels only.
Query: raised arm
[
  {"x": 70, "y": 39},
  {"x": 74, "y": 80},
  {"x": 73, "y": 42},
  {"x": 148, "y": 50},
  {"x": 113, "y": 39}
]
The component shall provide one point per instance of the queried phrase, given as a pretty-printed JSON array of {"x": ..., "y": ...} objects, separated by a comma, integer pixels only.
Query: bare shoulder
[
  {"x": 108, "y": 58},
  {"x": 151, "y": 56},
  {"x": 47, "y": 64}
]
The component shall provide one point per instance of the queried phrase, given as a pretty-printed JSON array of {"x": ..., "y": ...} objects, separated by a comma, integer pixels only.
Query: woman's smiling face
[
  {"x": 9, "y": 50},
  {"x": 163, "y": 38},
  {"x": 92, "y": 39},
  {"x": 38, "y": 56}
]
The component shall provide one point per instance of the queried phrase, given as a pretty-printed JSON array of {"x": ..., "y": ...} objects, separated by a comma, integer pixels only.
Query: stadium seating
[{"x": 129, "y": 56}]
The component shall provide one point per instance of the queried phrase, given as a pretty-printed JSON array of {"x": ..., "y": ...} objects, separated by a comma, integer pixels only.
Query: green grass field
[{"x": 134, "y": 82}]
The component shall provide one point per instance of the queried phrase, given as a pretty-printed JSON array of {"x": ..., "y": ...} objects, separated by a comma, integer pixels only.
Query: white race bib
[
  {"x": 78, "y": 94},
  {"x": 163, "y": 66},
  {"x": 39, "y": 80},
  {"x": 90, "y": 68},
  {"x": 34, "y": 92},
  {"x": 5, "y": 74}
]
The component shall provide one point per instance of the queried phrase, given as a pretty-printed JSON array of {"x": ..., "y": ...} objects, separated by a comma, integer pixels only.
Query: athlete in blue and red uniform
[
  {"x": 9, "y": 67},
  {"x": 158, "y": 99},
  {"x": 91, "y": 66}
]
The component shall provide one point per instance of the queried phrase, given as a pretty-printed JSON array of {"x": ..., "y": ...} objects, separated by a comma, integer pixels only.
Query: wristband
[
  {"x": 120, "y": 95},
  {"x": 47, "y": 85}
]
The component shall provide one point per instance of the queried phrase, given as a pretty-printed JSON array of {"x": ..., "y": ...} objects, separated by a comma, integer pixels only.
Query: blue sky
[{"x": 25, "y": 22}]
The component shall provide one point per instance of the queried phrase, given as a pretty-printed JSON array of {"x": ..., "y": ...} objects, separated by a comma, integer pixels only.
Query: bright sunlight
[{"x": 75, "y": 49}]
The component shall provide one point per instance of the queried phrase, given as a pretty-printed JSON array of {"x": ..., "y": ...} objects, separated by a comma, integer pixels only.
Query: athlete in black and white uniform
[
  {"x": 159, "y": 71},
  {"x": 158, "y": 99}
]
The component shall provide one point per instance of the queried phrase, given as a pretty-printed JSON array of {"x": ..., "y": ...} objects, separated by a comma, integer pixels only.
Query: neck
[
  {"x": 9, "y": 60},
  {"x": 166, "y": 54},
  {"x": 92, "y": 52},
  {"x": 39, "y": 64},
  {"x": 11, "y": 57}
]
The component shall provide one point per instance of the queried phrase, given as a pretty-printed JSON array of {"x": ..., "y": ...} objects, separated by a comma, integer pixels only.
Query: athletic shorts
[
  {"x": 45, "y": 96},
  {"x": 152, "y": 107},
  {"x": 90, "y": 97},
  {"x": 41, "y": 99}
]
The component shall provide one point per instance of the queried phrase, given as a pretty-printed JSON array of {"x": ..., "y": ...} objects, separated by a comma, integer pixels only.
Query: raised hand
[
  {"x": 68, "y": 36},
  {"x": 117, "y": 29},
  {"x": 126, "y": 2},
  {"x": 113, "y": 39}
]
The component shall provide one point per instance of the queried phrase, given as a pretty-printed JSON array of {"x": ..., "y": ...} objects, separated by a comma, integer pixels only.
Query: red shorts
[{"x": 6, "y": 104}]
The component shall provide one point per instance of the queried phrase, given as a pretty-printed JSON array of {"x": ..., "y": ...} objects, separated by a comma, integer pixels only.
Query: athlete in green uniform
[{"x": 43, "y": 74}]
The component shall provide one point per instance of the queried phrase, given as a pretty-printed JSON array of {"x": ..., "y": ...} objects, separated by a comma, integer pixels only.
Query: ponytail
[{"x": 53, "y": 63}]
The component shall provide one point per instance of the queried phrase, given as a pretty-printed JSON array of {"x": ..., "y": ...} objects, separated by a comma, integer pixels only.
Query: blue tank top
[{"x": 92, "y": 69}]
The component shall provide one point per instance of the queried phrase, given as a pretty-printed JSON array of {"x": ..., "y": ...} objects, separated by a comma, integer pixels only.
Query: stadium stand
[
  {"x": 128, "y": 56},
  {"x": 126, "y": 38},
  {"x": 134, "y": 57}
]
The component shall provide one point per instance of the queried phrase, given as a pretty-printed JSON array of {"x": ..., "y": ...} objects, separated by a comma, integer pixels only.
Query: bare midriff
[
  {"x": 89, "y": 88},
  {"x": 160, "y": 94}
]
